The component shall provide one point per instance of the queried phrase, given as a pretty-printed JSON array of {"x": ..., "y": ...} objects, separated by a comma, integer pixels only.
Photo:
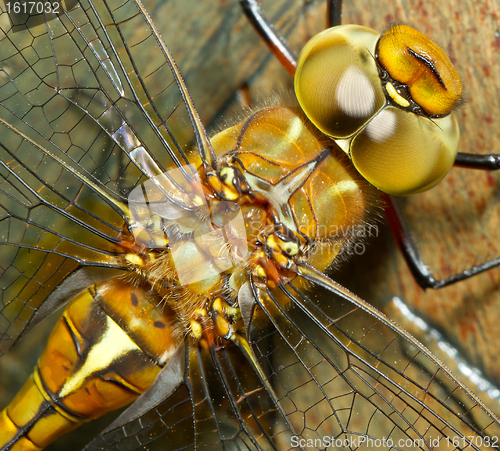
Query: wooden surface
[{"x": 455, "y": 224}]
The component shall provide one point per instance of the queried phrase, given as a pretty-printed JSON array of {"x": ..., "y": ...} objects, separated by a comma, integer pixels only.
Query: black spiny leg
[
  {"x": 276, "y": 43},
  {"x": 334, "y": 13},
  {"x": 489, "y": 162},
  {"x": 420, "y": 272}
]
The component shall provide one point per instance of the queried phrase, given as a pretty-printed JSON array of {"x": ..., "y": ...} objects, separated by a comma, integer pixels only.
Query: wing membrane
[
  {"x": 90, "y": 106},
  {"x": 340, "y": 376},
  {"x": 220, "y": 405},
  {"x": 362, "y": 378},
  {"x": 25, "y": 284}
]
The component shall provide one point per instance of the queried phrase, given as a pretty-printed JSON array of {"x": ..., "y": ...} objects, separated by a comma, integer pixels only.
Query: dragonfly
[{"x": 173, "y": 404}]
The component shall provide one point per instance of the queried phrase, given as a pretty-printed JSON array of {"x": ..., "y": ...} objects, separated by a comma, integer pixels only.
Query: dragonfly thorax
[
  {"x": 283, "y": 193},
  {"x": 303, "y": 198}
]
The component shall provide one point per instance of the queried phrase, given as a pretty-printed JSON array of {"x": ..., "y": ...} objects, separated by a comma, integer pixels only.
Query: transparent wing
[
  {"x": 89, "y": 106},
  {"x": 336, "y": 376},
  {"x": 387, "y": 385},
  {"x": 220, "y": 405}
]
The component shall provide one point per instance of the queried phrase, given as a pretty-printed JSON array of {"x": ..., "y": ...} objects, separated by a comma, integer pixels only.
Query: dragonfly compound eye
[
  {"x": 411, "y": 58},
  {"x": 399, "y": 145}
]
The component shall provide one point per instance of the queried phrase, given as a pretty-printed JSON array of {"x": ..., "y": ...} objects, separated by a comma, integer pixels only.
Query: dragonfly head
[{"x": 386, "y": 100}]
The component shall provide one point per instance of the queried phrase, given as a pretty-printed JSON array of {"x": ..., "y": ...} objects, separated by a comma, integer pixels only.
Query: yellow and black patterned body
[{"x": 106, "y": 349}]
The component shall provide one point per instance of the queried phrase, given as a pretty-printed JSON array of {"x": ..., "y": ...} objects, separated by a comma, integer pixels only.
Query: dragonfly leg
[
  {"x": 489, "y": 162},
  {"x": 226, "y": 318},
  {"x": 333, "y": 13},
  {"x": 420, "y": 271},
  {"x": 244, "y": 97},
  {"x": 218, "y": 318},
  {"x": 274, "y": 263},
  {"x": 276, "y": 43},
  {"x": 228, "y": 183}
]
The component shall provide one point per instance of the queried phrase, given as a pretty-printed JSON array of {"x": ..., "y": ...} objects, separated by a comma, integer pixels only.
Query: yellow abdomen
[{"x": 95, "y": 362}]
